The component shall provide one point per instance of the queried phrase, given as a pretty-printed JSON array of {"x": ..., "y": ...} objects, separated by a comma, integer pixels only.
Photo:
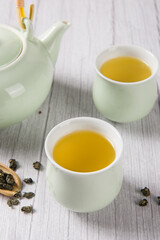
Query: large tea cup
[{"x": 84, "y": 191}]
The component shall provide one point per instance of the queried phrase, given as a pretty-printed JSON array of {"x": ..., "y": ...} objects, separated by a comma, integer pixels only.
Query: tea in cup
[
  {"x": 84, "y": 168},
  {"x": 125, "y": 87}
]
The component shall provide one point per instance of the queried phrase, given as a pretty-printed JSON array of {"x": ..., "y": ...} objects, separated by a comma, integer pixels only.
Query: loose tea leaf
[
  {"x": 12, "y": 201},
  {"x": 145, "y": 191},
  {"x": 18, "y": 195},
  {"x": 158, "y": 200},
  {"x": 143, "y": 203},
  {"x": 28, "y": 180},
  {"x": 9, "y": 203},
  {"x": 37, "y": 165},
  {"x": 39, "y": 112},
  {"x": 10, "y": 179},
  {"x": 2, "y": 180},
  {"x": 28, "y": 195},
  {"x": 2, "y": 177},
  {"x": 13, "y": 164},
  {"x": 6, "y": 181},
  {"x": 27, "y": 209},
  {"x": 6, "y": 186},
  {"x": 1, "y": 173}
]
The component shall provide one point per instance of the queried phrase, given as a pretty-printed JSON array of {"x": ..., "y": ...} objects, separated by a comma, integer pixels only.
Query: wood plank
[
  {"x": 95, "y": 25},
  {"x": 140, "y": 138}
]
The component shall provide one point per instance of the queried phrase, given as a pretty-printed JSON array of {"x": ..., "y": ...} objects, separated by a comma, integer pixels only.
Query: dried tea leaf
[
  {"x": 143, "y": 203},
  {"x": 9, "y": 202},
  {"x": 28, "y": 180},
  {"x": 13, "y": 164},
  {"x": 18, "y": 195},
  {"x": 2, "y": 174},
  {"x": 27, "y": 209},
  {"x": 12, "y": 201},
  {"x": 28, "y": 195},
  {"x": 10, "y": 179},
  {"x": 6, "y": 186},
  {"x": 158, "y": 200},
  {"x": 145, "y": 191},
  {"x": 2, "y": 180},
  {"x": 37, "y": 165},
  {"x": 2, "y": 177},
  {"x": 6, "y": 181}
]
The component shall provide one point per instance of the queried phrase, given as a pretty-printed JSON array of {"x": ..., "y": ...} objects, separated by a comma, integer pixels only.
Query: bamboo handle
[
  {"x": 19, "y": 3},
  {"x": 21, "y": 13},
  {"x": 31, "y": 13},
  {"x": 19, "y": 18}
]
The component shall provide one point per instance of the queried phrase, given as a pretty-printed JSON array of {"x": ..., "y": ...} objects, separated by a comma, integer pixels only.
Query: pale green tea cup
[
  {"x": 121, "y": 101},
  {"x": 84, "y": 191}
]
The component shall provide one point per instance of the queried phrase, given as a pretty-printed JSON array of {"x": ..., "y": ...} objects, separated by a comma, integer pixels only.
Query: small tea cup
[
  {"x": 121, "y": 101},
  {"x": 84, "y": 191}
]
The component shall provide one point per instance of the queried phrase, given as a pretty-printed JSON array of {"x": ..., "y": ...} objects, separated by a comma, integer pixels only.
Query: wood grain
[{"x": 95, "y": 25}]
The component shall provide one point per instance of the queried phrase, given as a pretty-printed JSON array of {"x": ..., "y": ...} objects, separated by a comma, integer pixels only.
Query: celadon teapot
[{"x": 26, "y": 69}]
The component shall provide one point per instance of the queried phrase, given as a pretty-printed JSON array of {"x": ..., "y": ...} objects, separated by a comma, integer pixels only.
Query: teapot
[{"x": 26, "y": 69}]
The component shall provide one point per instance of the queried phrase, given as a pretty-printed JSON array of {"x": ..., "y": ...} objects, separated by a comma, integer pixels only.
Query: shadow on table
[
  {"x": 122, "y": 218},
  {"x": 67, "y": 101},
  {"x": 147, "y": 127}
]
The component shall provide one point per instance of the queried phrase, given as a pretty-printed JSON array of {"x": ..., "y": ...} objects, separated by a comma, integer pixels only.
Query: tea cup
[
  {"x": 84, "y": 191},
  {"x": 121, "y": 101}
]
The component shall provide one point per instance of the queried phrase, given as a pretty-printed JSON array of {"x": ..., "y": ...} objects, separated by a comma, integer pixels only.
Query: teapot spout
[{"x": 52, "y": 37}]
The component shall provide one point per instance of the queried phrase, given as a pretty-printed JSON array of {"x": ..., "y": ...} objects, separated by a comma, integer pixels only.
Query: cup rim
[
  {"x": 127, "y": 83},
  {"x": 52, "y": 161}
]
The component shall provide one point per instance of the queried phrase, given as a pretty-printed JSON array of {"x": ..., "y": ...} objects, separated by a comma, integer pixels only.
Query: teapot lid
[{"x": 10, "y": 46}]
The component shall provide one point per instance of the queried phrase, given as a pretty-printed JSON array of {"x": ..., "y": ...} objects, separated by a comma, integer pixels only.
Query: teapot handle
[
  {"x": 21, "y": 12},
  {"x": 28, "y": 31}
]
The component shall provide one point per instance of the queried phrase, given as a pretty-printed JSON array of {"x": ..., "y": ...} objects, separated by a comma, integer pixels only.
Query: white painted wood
[{"x": 95, "y": 25}]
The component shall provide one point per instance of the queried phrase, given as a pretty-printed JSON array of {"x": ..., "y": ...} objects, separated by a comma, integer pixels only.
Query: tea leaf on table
[
  {"x": 13, "y": 164},
  {"x": 145, "y": 191},
  {"x": 28, "y": 180},
  {"x": 143, "y": 203},
  {"x": 28, "y": 195},
  {"x": 158, "y": 200},
  {"x": 27, "y": 209},
  {"x": 37, "y": 165},
  {"x": 18, "y": 195},
  {"x": 12, "y": 201}
]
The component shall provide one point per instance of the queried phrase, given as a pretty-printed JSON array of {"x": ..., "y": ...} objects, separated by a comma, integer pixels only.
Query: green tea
[
  {"x": 125, "y": 69},
  {"x": 83, "y": 151}
]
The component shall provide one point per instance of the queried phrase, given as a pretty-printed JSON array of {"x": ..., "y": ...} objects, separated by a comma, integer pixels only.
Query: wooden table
[{"x": 95, "y": 26}]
